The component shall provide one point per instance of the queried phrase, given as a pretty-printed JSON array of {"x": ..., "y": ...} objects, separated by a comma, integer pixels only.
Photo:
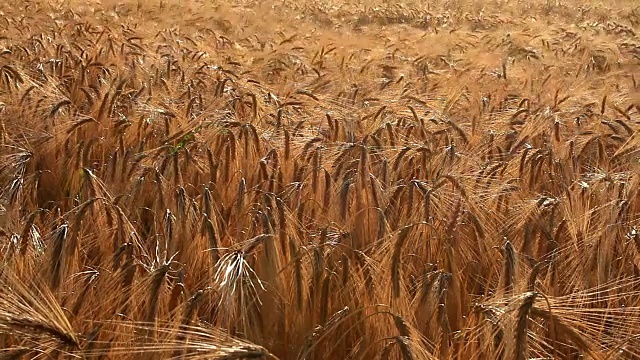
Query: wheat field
[{"x": 316, "y": 180}]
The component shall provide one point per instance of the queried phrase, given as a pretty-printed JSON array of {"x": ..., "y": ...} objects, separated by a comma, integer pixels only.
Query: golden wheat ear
[
  {"x": 32, "y": 316},
  {"x": 184, "y": 341}
]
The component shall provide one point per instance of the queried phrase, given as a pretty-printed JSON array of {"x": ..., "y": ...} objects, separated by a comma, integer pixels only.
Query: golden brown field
[{"x": 446, "y": 179}]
